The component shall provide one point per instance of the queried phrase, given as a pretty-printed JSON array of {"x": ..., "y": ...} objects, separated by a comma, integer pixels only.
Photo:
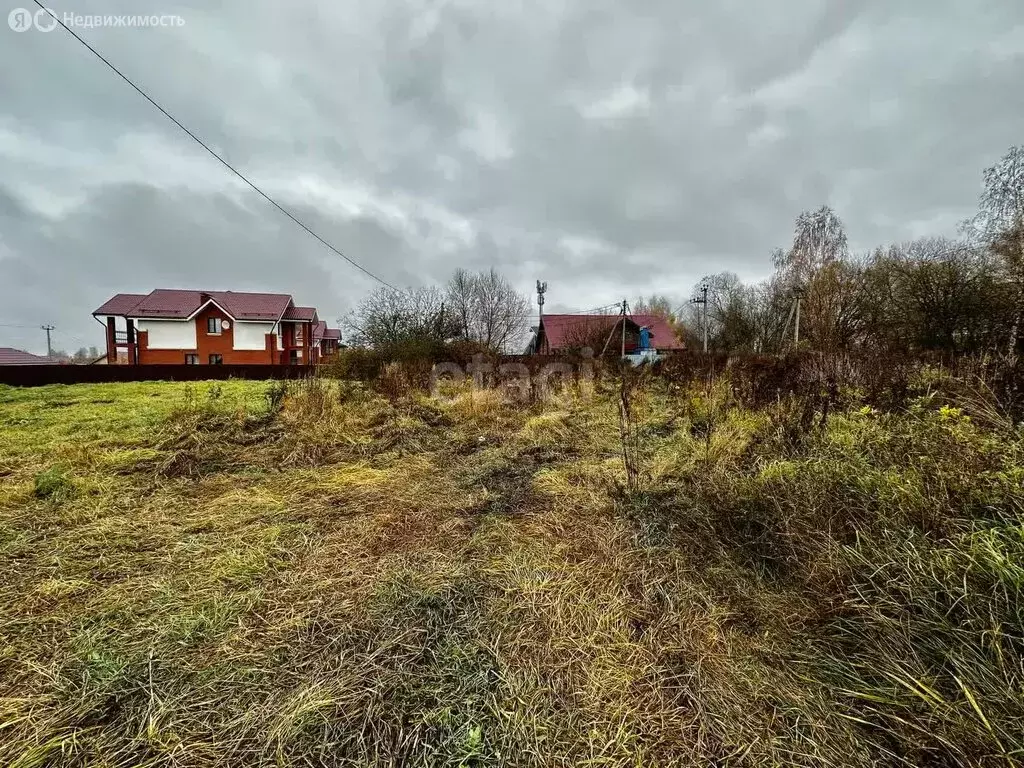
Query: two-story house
[{"x": 208, "y": 328}]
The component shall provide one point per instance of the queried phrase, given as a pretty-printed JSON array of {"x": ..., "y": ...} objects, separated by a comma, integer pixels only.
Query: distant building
[
  {"x": 326, "y": 341},
  {"x": 209, "y": 328},
  {"x": 567, "y": 333},
  {"x": 11, "y": 356}
]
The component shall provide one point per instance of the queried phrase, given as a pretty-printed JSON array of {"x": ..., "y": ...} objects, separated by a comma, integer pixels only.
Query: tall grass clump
[
  {"x": 897, "y": 537},
  {"x": 54, "y": 484}
]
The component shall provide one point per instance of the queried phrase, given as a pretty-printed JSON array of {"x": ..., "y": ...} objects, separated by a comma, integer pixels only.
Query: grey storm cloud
[{"x": 605, "y": 147}]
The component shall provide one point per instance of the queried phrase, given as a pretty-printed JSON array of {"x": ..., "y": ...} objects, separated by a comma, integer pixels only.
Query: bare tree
[
  {"x": 389, "y": 318},
  {"x": 771, "y": 303},
  {"x": 733, "y": 314},
  {"x": 834, "y": 304},
  {"x": 502, "y": 312},
  {"x": 1009, "y": 247},
  {"x": 655, "y": 304},
  {"x": 595, "y": 333},
  {"x": 815, "y": 267},
  {"x": 488, "y": 309},
  {"x": 461, "y": 297}
]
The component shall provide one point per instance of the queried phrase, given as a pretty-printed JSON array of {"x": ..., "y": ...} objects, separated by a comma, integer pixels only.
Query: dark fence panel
[{"x": 41, "y": 375}]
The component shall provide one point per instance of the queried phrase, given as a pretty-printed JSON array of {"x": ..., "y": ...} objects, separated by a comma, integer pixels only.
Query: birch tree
[{"x": 999, "y": 226}]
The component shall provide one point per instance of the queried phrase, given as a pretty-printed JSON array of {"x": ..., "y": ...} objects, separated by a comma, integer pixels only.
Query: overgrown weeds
[{"x": 325, "y": 572}]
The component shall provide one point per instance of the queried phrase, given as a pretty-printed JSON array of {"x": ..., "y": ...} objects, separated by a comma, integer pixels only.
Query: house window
[
  {"x": 191, "y": 359},
  {"x": 293, "y": 357},
  {"x": 216, "y": 360},
  {"x": 213, "y": 325}
]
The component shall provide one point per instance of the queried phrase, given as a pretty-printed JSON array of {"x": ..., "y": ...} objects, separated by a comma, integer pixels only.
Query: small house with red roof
[
  {"x": 209, "y": 328},
  {"x": 326, "y": 341},
  {"x": 11, "y": 356},
  {"x": 604, "y": 334}
]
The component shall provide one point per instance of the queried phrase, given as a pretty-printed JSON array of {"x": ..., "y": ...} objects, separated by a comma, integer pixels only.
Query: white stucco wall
[
  {"x": 251, "y": 335},
  {"x": 169, "y": 334}
]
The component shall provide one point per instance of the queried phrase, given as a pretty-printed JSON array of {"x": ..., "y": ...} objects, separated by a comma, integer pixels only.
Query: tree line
[
  {"x": 82, "y": 356},
  {"x": 479, "y": 309},
  {"x": 934, "y": 294}
]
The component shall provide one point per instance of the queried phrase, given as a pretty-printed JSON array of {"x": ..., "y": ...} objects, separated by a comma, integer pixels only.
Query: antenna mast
[{"x": 542, "y": 288}]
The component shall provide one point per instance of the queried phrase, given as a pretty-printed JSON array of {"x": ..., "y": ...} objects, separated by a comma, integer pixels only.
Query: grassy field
[{"x": 243, "y": 574}]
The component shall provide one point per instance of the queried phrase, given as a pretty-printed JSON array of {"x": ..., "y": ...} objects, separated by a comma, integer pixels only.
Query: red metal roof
[
  {"x": 300, "y": 314},
  {"x": 253, "y": 306},
  {"x": 566, "y": 331},
  {"x": 179, "y": 305},
  {"x": 120, "y": 304},
  {"x": 322, "y": 333},
  {"x": 175, "y": 305},
  {"x": 11, "y": 356}
]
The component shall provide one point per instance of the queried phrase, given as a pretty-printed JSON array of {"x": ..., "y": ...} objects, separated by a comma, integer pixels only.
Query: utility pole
[
  {"x": 703, "y": 300},
  {"x": 49, "y": 348},
  {"x": 623, "y": 327},
  {"x": 542, "y": 288}
]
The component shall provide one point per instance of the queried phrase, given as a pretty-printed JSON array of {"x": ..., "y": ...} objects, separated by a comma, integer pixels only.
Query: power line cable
[
  {"x": 595, "y": 310},
  {"x": 220, "y": 159},
  {"x": 59, "y": 334}
]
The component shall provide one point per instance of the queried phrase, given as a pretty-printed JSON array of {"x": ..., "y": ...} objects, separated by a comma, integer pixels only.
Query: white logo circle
[
  {"x": 45, "y": 19},
  {"x": 19, "y": 20}
]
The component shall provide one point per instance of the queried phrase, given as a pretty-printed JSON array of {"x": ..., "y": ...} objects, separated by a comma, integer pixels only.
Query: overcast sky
[{"x": 609, "y": 148}]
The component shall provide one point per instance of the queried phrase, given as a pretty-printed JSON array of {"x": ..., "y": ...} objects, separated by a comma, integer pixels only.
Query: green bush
[{"x": 357, "y": 363}]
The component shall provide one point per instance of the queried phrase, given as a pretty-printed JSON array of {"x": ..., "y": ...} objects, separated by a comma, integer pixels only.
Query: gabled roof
[
  {"x": 300, "y": 314},
  {"x": 11, "y": 356},
  {"x": 181, "y": 305},
  {"x": 253, "y": 306},
  {"x": 121, "y": 304},
  {"x": 321, "y": 332},
  {"x": 566, "y": 331}
]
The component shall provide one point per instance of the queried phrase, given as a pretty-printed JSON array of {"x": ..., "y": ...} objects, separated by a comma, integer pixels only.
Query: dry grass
[{"x": 329, "y": 574}]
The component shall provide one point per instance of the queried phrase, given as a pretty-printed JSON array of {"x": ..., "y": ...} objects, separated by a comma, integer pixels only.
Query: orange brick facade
[{"x": 210, "y": 344}]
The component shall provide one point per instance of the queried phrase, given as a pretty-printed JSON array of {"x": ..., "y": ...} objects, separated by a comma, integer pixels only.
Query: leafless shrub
[{"x": 629, "y": 403}]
